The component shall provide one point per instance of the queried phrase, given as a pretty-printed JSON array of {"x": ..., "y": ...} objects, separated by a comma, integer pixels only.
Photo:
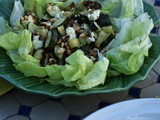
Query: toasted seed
[
  {"x": 50, "y": 27},
  {"x": 66, "y": 44},
  {"x": 62, "y": 44},
  {"x": 52, "y": 61},
  {"x": 68, "y": 52},
  {"x": 26, "y": 17},
  {"x": 42, "y": 27},
  {"x": 82, "y": 35},
  {"x": 93, "y": 52},
  {"x": 53, "y": 19},
  {"x": 45, "y": 24},
  {"x": 60, "y": 50},
  {"x": 59, "y": 41},
  {"x": 22, "y": 18}
]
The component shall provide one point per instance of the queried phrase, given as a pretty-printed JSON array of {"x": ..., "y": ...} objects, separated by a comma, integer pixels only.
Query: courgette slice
[
  {"x": 52, "y": 12},
  {"x": 48, "y": 40},
  {"x": 38, "y": 54},
  {"x": 102, "y": 36},
  {"x": 73, "y": 43},
  {"x": 32, "y": 27},
  {"x": 46, "y": 17},
  {"x": 108, "y": 30},
  {"x": 61, "y": 30},
  {"x": 59, "y": 22}
]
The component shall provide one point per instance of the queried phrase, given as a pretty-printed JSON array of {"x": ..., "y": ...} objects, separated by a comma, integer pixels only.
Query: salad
[{"x": 76, "y": 42}]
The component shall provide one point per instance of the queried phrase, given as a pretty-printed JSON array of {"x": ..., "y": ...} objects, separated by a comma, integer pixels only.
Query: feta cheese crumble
[
  {"x": 37, "y": 43},
  {"x": 56, "y": 8},
  {"x": 92, "y": 39},
  {"x": 95, "y": 15},
  {"x": 71, "y": 32},
  {"x": 59, "y": 14}
]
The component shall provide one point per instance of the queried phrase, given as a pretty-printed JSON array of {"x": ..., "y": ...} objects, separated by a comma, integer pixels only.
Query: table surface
[{"x": 18, "y": 105}]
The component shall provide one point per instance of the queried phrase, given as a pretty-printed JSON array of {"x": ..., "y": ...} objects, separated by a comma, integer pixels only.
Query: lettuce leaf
[
  {"x": 17, "y": 13},
  {"x": 31, "y": 69},
  {"x": 10, "y": 41},
  {"x": 123, "y": 8},
  {"x": 95, "y": 77},
  {"x": 4, "y": 26},
  {"x": 128, "y": 50},
  {"x": 54, "y": 72},
  {"x": 78, "y": 66}
]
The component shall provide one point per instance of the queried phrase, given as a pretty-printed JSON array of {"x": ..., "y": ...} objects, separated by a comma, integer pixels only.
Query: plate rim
[{"x": 122, "y": 103}]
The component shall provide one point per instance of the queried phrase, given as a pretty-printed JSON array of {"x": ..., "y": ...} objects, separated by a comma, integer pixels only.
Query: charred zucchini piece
[
  {"x": 46, "y": 17},
  {"x": 94, "y": 26},
  {"x": 52, "y": 41},
  {"x": 59, "y": 22},
  {"x": 53, "y": 10},
  {"x": 61, "y": 30},
  {"x": 103, "y": 20},
  {"x": 48, "y": 40},
  {"x": 39, "y": 54},
  {"x": 32, "y": 27},
  {"x": 102, "y": 36},
  {"x": 73, "y": 43},
  {"x": 107, "y": 41},
  {"x": 86, "y": 49},
  {"x": 42, "y": 32},
  {"x": 109, "y": 30},
  {"x": 81, "y": 19}
]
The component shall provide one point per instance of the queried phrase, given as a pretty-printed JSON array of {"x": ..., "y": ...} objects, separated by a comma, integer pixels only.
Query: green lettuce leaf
[
  {"x": 123, "y": 8},
  {"x": 95, "y": 77},
  {"x": 78, "y": 66},
  {"x": 4, "y": 26},
  {"x": 54, "y": 72},
  {"x": 17, "y": 13},
  {"x": 10, "y": 41},
  {"x": 128, "y": 50},
  {"x": 31, "y": 69}
]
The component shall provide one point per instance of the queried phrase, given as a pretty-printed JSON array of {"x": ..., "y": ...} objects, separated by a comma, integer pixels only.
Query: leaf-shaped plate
[
  {"x": 123, "y": 82},
  {"x": 119, "y": 83},
  {"x": 5, "y": 86}
]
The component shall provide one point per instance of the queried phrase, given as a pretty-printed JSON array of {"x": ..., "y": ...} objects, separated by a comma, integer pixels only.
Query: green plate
[{"x": 120, "y": 83}]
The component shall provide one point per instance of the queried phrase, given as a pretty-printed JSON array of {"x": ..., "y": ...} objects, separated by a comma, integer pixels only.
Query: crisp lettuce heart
[
  {"x": 78, "y": 66},
  {"x": 95, "y": 77},
  {"x": 128, "y": 50},
  {"x": 17, "y": 13},
  {"x": 4, "y": 26},
  {"x": 123, "y": 8}
]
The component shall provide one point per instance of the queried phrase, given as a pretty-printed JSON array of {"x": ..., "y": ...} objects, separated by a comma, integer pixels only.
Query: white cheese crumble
[
  {"x": 60, "y": 14},
  {"x": 92, "y": 39},
  {"x": 56, "y": 8},
  {"x": 71, "y": 32},
  {"x": 85, "y": 27},
  {"x": 37, "y": 43},
  {"x": 95, "y": 15}
]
